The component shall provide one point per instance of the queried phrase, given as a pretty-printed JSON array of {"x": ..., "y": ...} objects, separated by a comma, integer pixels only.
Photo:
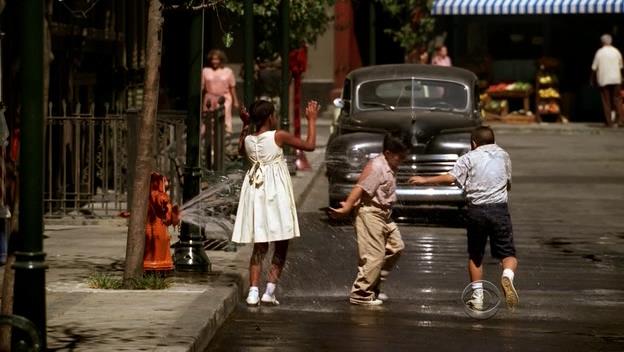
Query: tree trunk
[
  {"x": 7, "y": 302},
  {"x": 143, "y": 167},
  {"x": 12, "y": 194}
]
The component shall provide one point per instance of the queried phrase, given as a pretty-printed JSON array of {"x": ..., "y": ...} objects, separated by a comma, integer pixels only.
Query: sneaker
[
  {"x": 511, "y": 296},
  {"x": 253, "y": 298},
  {"x": 266, "y": 299},
  {"x": 366, "y": 302},
  {"x": 382, "y": 297},
  {"x": 476, "y": 301}
]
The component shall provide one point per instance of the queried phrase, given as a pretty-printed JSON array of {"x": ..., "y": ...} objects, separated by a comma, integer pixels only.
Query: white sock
[
  {"x": 508, "y": 273},
  {"x": 253, "y": 288},
  {"x": 270, "y": 289},
  {"x": 477, "y": 285}
]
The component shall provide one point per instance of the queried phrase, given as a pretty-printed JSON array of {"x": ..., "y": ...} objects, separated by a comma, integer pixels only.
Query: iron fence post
[
  {"x": 219, "y": 135},
  {"x": 208, "y": 142}
]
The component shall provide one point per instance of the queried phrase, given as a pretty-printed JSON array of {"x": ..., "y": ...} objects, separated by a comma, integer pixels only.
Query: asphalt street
[{"x": 566, "y": 205}]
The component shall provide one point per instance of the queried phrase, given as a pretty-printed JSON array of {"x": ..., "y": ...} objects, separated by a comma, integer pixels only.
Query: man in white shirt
[{"x": 607, "y": 68}]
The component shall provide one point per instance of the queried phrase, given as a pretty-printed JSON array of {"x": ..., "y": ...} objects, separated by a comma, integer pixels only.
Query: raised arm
[
  {"x": 284, "y": 138},
  {"x": 445, "y": 179}
]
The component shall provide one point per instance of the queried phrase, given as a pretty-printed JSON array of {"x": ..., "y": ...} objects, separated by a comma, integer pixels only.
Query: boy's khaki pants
[{"x": 379, "y": 247}]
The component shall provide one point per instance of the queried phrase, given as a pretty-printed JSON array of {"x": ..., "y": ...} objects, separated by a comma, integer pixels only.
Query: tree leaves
[
  {"x": 416, "y": 26},
  {"x": 308, "y": 20}
]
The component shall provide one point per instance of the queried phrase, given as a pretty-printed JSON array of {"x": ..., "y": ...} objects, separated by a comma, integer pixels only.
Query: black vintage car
[{"x": 433, "y": 108}]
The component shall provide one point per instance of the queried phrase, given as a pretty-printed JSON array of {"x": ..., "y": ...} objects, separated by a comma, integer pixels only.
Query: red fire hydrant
[{"x": 160, "y": 214}]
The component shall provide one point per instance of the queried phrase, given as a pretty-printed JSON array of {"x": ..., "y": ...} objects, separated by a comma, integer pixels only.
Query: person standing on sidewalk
[
  {"x": 606, "y": 72},
  {"x": 485, "y": 175},
  {"x": 378, "y": 238},
  {"x": 440, "y": 57},
  {"x": 266, "y": 209},
  {"x": 218, "y": 81}
]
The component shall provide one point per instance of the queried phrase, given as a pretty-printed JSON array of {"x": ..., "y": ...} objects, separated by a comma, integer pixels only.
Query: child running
[
  {"x": 266, "y": 210},
  {"x": 378, "y": 237},
  {"x": 485, "y": 175}
]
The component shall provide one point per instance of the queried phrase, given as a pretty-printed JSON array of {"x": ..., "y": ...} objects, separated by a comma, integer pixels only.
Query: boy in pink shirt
[{"x": 378, "y": 237}]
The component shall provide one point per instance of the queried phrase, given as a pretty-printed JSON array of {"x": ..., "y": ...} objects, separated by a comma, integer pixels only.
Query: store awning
[{"x": 526, "y": 7}]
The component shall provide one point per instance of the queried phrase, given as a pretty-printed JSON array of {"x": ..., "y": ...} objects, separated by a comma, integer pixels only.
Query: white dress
[{"x": 266, "y": 210}]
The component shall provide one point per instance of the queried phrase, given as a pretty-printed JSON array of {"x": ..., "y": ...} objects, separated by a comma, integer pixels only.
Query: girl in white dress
[{"x": 266, "y": 210}]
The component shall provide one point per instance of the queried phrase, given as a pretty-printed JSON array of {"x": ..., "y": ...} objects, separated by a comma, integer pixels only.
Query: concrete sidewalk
[{"x": 181, "y": 318}]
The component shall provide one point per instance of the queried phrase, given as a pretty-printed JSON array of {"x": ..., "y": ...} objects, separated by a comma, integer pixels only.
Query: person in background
[
  {"x": 423, "y": 58},
  {"x": 441, "y": 57},
  {"x": 606, "y": 72},
  {"x": 218, "y": 81}
]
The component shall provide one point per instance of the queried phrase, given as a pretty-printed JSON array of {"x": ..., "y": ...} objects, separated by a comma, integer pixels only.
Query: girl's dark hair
[{"x": 260, "y": 111}]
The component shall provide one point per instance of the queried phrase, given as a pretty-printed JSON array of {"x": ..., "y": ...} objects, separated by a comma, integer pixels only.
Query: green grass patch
[
  {"x": 104, "y": 281},
  {"x": 151, "y": 282},
  {"x": 146, "y": 282}
]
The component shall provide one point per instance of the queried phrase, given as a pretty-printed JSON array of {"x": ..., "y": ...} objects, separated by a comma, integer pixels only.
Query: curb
[
  {"x": 226, "y": 307},
  {"x": 558, "y": 129}
]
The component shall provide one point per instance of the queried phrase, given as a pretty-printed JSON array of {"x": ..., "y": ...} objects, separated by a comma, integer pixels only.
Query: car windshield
[{"x": 412, "y": 93}]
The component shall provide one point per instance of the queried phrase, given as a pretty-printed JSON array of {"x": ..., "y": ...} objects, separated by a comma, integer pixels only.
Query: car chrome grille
[{"x": 425, "y": 165}]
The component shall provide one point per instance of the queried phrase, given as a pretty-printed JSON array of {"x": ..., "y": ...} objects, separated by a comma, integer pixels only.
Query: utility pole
[
  {"x": 29, "y": 298},
  {"x": 189, "y": 254},
  {"x": 284, "y": 96},
  {"x": 249, "y": 53},
  {"x": 372, "y": 35}
]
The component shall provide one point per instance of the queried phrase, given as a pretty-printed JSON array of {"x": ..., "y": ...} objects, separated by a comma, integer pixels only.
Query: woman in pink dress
[{"x": 218, "y": 81}]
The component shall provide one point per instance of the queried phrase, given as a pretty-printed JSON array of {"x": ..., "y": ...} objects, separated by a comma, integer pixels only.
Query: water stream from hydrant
[{"x": 214, "y": 208}]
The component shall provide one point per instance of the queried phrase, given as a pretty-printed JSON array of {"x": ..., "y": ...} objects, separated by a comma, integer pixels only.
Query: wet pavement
[{"x": 566, "y": 205}]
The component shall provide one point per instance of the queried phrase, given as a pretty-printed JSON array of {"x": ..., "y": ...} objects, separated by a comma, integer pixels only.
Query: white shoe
[
  {"x": 476, "y": 301},
  {"x": 253, "y": 297},
  {"x": 266, "y": 299},
  {"x": 511, "y": 296},
  {"x": 369, "y": 302},
  {"x": 382, "y": 297}
]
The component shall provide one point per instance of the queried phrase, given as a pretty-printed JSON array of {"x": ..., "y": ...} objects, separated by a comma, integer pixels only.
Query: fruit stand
[
  {"x": 495, "y": 102},
  {"x": 547, "y": 97}
]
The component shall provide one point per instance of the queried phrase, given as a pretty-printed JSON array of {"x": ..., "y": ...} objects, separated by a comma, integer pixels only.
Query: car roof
[{"x": 406, "y": 70}]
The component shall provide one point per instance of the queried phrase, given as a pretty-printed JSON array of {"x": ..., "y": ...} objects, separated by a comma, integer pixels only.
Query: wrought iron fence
[{"x": 89, "y": 158}]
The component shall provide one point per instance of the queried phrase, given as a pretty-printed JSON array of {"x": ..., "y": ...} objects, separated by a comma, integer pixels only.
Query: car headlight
[{"x": 356, "y": 157}]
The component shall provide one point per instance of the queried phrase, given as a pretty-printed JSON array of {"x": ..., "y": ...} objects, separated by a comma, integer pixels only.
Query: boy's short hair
[
  {"x": 393, "y": 144},
  {"x": 482, "y": 135}
]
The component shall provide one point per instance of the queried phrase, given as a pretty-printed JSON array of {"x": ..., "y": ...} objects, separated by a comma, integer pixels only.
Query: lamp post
[
  {"x": 249, "y": 53},
  {"x": 285, "y": 51},
  {"x": 189, "y": 254},
  {"x": 29, "y": 299}
]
